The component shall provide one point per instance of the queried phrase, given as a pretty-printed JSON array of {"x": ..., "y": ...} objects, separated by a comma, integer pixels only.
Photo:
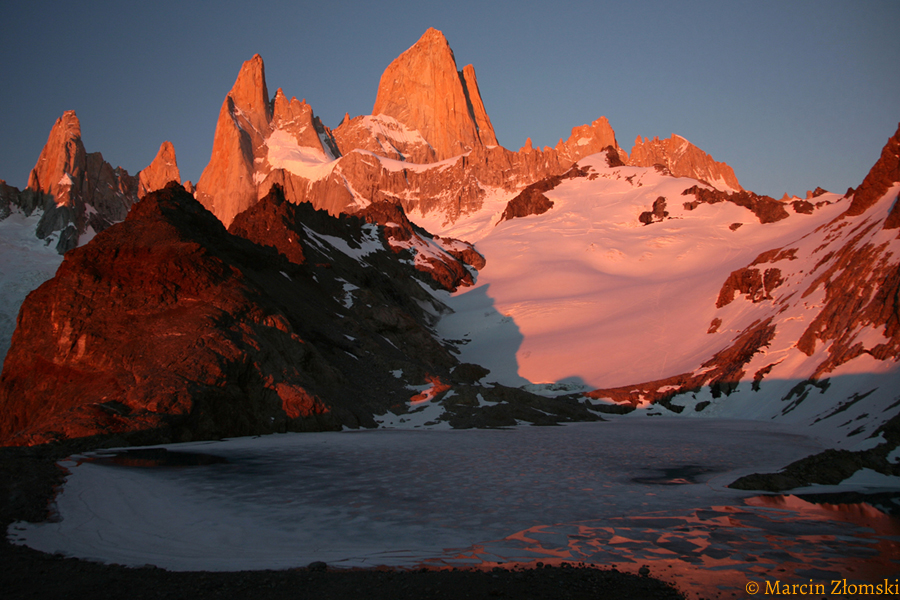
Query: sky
[{"x": 792, "y": 95}]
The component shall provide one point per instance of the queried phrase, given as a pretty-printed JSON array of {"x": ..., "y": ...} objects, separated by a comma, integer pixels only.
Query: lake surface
[{"x": 628, "y": 492}]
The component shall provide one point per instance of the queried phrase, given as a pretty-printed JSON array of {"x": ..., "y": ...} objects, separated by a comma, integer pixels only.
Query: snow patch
[{"x": 285, "y": 153}]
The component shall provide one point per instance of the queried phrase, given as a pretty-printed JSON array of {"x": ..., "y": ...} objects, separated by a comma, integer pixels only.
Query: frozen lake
[{"x": 629, "y": 492}]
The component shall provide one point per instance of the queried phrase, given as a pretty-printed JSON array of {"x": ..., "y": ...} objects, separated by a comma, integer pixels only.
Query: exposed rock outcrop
[
  {"x": 423, "y": 90},
  {"x": 167, "y": 321},
  {"x": 66, "y": 180},
  {"x": 722, "y": 373},
  {"x": 160, "y": 172},
  {"x": 78, "y": 192},
  {"x": 295, "y": 320},
  {"x": 382, "y": 135},
  {"x": 227, "y": 185},
  {"x": 880, "y": 178},
  {"x": 766, "y": 209},
  {"x": 656, "y": 214},
  {"x": 532, "y": 201},
  {"x": 257, "y": 141},
  {"x": 428, "y": 146},
  {"x": 682, "y": 159},
  {"x": 590, "y": 139}
]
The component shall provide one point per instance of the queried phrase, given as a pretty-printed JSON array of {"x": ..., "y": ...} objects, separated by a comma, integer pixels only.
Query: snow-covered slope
[
  {"x": 621, "y": 283},
  {"x": 26, "y": 263},
  {"x": 596, "y": 295}
]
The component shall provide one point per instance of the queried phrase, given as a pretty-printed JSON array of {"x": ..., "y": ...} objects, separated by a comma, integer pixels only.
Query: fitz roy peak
[
  {"x": 428, "y": 145},
  {"x": 423, "y": 90}
]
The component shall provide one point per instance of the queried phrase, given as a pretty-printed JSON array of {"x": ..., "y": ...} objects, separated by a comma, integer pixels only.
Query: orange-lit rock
[
  {"x": 66, "y": 180},
  {"x": 168, "y": 322},
  {"x": 160, "y": 172},
  {"x": 682, "y": 159},
  {"x": 423, "y": 90}
]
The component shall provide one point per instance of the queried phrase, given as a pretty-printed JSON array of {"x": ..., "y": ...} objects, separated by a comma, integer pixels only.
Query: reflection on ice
[{"x": 625, "y": 493}]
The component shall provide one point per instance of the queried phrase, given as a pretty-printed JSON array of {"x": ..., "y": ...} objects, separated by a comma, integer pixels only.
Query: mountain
[
  {"x": 423, "y": 91},
  {"x": 160, "y": 172},
  {"x": 404, "y": 269},
  {"x": 682, "y": 159},
  {"x": 686, "y": 300},
  {"x": 428, "y": 145},
  {"x": 71, "y": 195},
  {"x": 79, "y": 193},
  {"x": 293, "y": 320}
]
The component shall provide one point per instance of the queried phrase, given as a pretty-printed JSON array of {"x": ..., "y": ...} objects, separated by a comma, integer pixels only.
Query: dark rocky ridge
[
  {"x": 444, "y": 260},
  {"x": 532, "y": 201},
  {"x": 766, "y": 209},
  {"x": 829, "y": 467},
  {"x": 167, "y": 322},
  {"x": 880, "y": 178}
]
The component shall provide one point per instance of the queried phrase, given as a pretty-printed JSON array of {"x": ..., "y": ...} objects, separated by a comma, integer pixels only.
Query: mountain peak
[
  {"x": 249, "y": 92},
  {"x": 161, "y": 171},
  {"x": 433, "y": 37},
  {"x": 424, "y": 90},
  {"x": 63, "y": 154},
  {"x": 883, "y": 174},
  {"x": 681, "y": 158}
]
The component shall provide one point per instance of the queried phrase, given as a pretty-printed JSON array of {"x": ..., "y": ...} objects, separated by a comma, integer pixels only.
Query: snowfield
[
  {"x": 26, "y": 263},
  {"x": 597, "y": 296},
  {"x": 585, "y": 296}
]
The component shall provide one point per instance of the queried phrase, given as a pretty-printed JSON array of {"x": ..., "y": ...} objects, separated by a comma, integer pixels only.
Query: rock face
[
  {"x": 428, "y": 145},
  {"x": 682, "y": 159},
  {"x": 160, "y": 172},
  {"x": 532, "y": 201},
  {"x": 66, "y": 180},
  {"x": 880, "y": 178},
  {"x": 444, "y": 260},
  {"x": 766, "y": 209},
  {"x": 423, "y": 90},
  {"x": 656, "y": 214},
  {"x": 78, "y": 192},
  {"x": 589, "y": 139},
  {"x": 255, "y": 136},
  {"x": 192, "y": 329},
  {"x": 294, "y": 320}
]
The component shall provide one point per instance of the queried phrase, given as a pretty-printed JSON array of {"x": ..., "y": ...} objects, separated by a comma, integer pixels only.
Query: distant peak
[
  {"x": 681, "y": 158},
  {"x": 880, "y": 178},
  {"x": 160, "y": 172}
]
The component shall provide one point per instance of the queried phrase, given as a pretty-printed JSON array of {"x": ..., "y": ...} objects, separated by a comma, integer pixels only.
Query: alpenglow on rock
[
  {"x": 682, "y": 159},
  {"x": 80, "y": 193},
  {"x": 255, "y": 136},
  {"x": 423, "y": 90}
]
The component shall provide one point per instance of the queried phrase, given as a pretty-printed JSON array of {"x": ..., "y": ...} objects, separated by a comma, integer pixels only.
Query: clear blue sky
[{"x": 791, "y": 94}]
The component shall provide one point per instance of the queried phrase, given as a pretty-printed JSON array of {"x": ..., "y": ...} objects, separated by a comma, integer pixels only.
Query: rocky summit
[
  {"x": 79, "y": 193},
  {"x": 423, "y": 90}
]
